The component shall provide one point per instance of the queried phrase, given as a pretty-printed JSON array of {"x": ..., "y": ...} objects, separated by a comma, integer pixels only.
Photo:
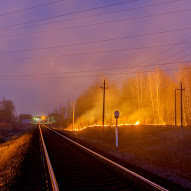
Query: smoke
[{"x": 147, "y": 98}]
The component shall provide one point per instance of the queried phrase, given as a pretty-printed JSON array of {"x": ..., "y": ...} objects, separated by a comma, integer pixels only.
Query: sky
[{"x": 44, "y": 50}]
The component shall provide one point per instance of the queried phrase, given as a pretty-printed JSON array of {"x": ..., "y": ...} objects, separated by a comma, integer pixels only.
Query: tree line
[{"x": 147, "y": 98}]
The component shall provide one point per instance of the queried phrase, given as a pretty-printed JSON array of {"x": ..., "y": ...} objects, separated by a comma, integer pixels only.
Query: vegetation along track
[
  {"x": 34, "y": 172},
  {"x": 78, "y": 168}
]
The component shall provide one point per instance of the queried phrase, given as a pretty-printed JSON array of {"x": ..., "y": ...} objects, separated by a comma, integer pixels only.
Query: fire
[
  {"x": 137, "y": 123},
  {"x": 119, "y": 125}
]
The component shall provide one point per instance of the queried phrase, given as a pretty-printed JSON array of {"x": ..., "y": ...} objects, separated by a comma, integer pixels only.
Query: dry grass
[
  {"x": 5, "y": 130},
  {"x": 155, "y": 148},
  {"x": 11, "y": 157},
  {"x": 10, "y": 131}
]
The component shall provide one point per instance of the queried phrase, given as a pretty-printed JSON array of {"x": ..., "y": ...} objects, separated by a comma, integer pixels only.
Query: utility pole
[
  {"x": 181, "y": 131},
  {"x": 60, "y": 112},
  {"x": 56, "y": 115},
  {"x": 73, "y": 115},
  {"x": 104, "y": 88},
  {"x": 175, "y": 108},
  {"x": 103, "y": 103}
]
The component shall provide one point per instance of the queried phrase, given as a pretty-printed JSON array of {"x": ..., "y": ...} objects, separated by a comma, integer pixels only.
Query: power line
[
  {"x": 108, "y": 39},
  {"x": 159, "y": 64},
  {"x": 94, "y": 75},
  {"x": 166, "y": 50},
  {"x": 151, "y": 71},
  {"x": 71, "y": 13},
  {"x": 86, "y": 71},
  {"x": 117, "y": 50},
  {"x": 101, "y": 52},
  {"x": 122, "y": 67},
  {"x": 104, "y": 69},
  {"x": 176, "y": 53},
  {"x": 111, "y": 12},
  {"x": 105, "y": 22},
  {"x": 29, "y": 8},
  {"x": 171, "y": 54}
]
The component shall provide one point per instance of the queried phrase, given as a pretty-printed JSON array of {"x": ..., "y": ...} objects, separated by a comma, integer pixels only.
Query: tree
[{"x": 7, "y": 109}]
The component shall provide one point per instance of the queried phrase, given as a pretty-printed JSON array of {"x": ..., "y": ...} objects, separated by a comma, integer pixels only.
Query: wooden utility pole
[
  {"x": 103, "y": 103},
  {"x": 60, "y": 112},
  {"x": 56, "y": 115},
  {"x": 73, "y": 115},
  {"x": 181, "y": 131},
  {"x": 104, "y": 88},
  {"x": 175, "y": 108}
]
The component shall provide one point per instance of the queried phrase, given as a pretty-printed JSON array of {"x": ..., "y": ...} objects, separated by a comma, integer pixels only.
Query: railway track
[{"x": 75, "y": 167}]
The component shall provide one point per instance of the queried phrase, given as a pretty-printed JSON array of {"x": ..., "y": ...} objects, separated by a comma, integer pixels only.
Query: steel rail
[
  {"x": 149, "y": 182},
  {"x": 50, "y": 169}
]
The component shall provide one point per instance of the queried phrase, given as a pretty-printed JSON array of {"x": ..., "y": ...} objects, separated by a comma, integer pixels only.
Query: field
[
  {"x": 11, "y": 131},
  {"x": 14, "y": 143},
  {"x": 154, "y": 148}
]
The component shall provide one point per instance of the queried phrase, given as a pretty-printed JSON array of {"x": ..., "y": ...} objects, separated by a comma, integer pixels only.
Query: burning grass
[
  {"x": 155, "y": 148},
  {"x": 11, "y": 157}
]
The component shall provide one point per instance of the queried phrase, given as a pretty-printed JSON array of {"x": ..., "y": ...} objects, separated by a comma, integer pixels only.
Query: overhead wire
[
  {"x": 106, "y": 39},
  {"x": 71, "y": 13},
  {"x": 138, "y": 71},
  {"x": 167, "y": 51},
  {"x": 112, "y": 50},
  {"x": 95, "y": 70},
  {"x": 124, "y": 67},
  {"x": 104, "y": 51},
  {"x": 112, "y": 21},
  {"x": 105, "y": 13},
  {"x": 29, "y": 8},
  {"x": 93, "y": 75}
]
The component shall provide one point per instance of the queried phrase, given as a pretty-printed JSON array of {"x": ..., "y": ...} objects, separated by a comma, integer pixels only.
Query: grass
[
  {"x": 11, "y": 157},
  {"x": 155, "y": 148},
  {"x": 5, "y": 129},
  {"x": 11, "y": 131}
]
